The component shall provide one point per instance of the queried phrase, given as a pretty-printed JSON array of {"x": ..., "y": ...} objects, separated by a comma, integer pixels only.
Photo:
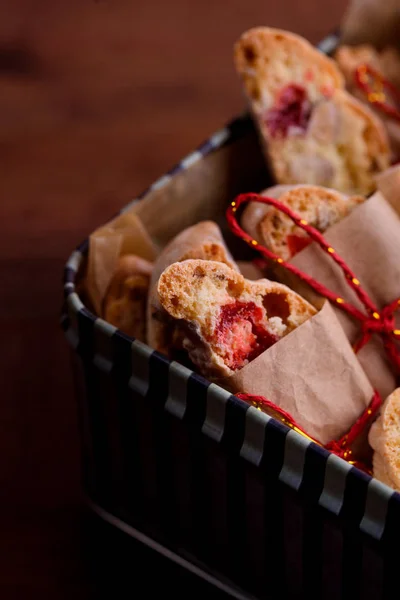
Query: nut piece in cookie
[
  {"x": 313, "y": 131},
  {"x": 124, "y": 305},
  {"x": 227, "y": 320}
]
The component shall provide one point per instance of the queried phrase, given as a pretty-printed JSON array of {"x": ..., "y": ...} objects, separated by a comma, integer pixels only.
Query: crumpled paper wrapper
[
  {"x": 372, "y": 21},
  {"x": 190, "y": 243},
  {"x": 369, "y": 241},
  {"x": 328, "y": 405},
  {"x": 200, "y": 192},
  {"x": 388, "y": 184},
  {"x": 123, "y": 235},
  {"x": 313, "y": 374},
  {"x": 250, "y": 270}
]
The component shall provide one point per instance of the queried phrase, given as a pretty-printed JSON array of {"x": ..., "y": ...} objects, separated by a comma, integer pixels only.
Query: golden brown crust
[
  {"x": 320, "y": 207},
  {"x": 375, "y": 133},
  {"x": 384, "y": 438},
  {"x": 259, "y": 50},
  {"x": 348, "y": 58},
  {"x": 204, "y": 237},
  {"x": 255, "y": 211},
  {"x": 125, "y": 301},
  {"x": 194, "y": 292},
  {"x": 313, "y": 131},
  {"x": 201, "y": 241},
  {"x": 386, "y": 62},
  {"x": 346, "y": 155}
]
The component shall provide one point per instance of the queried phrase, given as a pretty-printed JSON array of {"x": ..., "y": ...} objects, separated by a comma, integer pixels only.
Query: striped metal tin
[{"x": 214, "y": 484}]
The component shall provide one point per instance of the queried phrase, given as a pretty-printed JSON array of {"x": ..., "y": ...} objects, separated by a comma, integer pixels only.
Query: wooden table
[{"x": 97, "y": 99}]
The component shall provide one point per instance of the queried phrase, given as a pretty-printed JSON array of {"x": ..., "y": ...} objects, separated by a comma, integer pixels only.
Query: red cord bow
[
  {"x": 374, "y": 85},
  {"x": 374, "y": 321}
]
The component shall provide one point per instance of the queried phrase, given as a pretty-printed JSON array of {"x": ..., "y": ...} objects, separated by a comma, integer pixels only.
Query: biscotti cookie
[
  {"x": 255, "y": 211},
  {"x": 384, "y": 63},
  {"x": 125, "y": 301},
  {"x": 313, "y": 131},
  {"x": 201, "y": 241},
  {"x": 227, "y": 321},
  {"x": 350, "y": 58},
  {"x": 384, "y": 438},
  {"x": 320, "y": 207}
]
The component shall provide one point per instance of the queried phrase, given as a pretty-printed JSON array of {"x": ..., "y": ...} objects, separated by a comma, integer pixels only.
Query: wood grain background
[{"x": 97, "y": 99}]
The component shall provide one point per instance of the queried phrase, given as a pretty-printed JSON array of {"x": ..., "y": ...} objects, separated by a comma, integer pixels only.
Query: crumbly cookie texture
[
  {"x": 202, "y": 241},
  {"x": 384, "y": 438},
  {"x": 320, "y": 207},
  {"x": 126, "y": 298},
  {"x": 227, "y": 320},
  {"x": 387, "y": 63},
  {"x": 313, "y": 131}
]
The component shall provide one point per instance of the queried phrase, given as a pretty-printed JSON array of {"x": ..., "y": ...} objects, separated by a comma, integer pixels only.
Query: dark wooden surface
[{"x": 97, "y": 99}]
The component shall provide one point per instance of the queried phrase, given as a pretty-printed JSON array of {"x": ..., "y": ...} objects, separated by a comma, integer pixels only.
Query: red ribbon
[
  {"x": 374, "y": 86},
  {"x": 339, "y": 447},
  {"x": 373, "y": 322}
]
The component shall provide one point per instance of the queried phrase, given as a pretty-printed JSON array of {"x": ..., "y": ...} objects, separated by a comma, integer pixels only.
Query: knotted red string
[
  {"x": 372, "y": 322},
  {"x": 374, "y": 86}
]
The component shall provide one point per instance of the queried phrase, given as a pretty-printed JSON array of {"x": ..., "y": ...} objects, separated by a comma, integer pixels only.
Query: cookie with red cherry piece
[
  {"x": 313, "y": 131},
  {"x": 202, "y": 241},
  {"x": 227, "y": 321},
  {"x": 384, "y": 438},
  {"x": 320, "y": 207},
  {"x": 125, "y": 302}
]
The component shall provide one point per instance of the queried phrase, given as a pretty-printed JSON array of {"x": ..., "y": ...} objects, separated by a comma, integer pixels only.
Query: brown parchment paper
[
  {"x": 372, "y": 21},
  {"x": 200, "y": 192},
  {"x": 192, "y": 242},
  {"x": 250, "y": 270},
  {"x": 369, "y": 241},
  {"x": 204, "y": 190},
  {"x": 388, "y": 183},
  {"x": 204, "y": 233},
  {"x": 123, "y": 235},
  {"x": 313, "y": 374}
]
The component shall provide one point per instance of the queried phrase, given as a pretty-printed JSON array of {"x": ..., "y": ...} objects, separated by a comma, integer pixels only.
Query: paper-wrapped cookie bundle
[
  {"x": 262, "y": 339},
  {"x": 367, "y": 239},
  {"x": 280, "y": 333},
  {"x": 308, "y": 122}
]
